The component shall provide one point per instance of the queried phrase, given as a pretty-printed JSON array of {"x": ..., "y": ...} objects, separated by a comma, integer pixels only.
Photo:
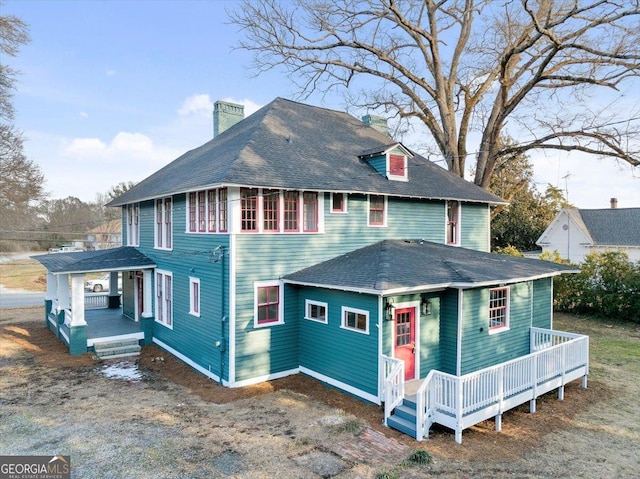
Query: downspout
[{"x": 223, "y": 316}]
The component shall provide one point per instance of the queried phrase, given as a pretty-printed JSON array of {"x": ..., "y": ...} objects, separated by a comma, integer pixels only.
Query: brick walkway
[{"x": 371, "y": 447}]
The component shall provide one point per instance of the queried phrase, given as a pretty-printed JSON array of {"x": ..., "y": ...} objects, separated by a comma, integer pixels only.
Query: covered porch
[{"x": 86, "y": 322}]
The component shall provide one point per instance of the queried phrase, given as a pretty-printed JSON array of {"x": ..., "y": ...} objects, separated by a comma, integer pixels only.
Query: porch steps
[
  {"x": 403, "y": 417},
  {"x": 117, "y": 349}
]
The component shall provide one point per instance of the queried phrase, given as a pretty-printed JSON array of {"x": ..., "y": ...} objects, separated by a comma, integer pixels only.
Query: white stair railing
[
  {"x": 393, "y": 384},
  {"x": 460, "y": 402}
]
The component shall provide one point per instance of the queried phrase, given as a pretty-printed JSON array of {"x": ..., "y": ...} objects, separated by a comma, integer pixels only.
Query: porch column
[
  {"x": 114, "y": 294},
  {"x": 77, "y": 300},
  {"x": 62, "y": 294},
  {"x": 50, "y": 295},
  {"x": 147, "y": 275},
  {"x": 78, "y": 326}
]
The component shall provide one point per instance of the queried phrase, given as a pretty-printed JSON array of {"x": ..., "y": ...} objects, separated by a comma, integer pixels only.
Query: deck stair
[
  {"x": 403, "y": 417},
  {"x": 117, "y": 349}
]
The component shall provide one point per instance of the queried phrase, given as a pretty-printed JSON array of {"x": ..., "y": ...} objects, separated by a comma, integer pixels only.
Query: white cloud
[
  {"x": 84, "y": 114},
  {"x": 132, "y": 142},
  {"x": 196, "y": 105},
  {"x": 249, "y": 106},
  {"x": 84, "y": 146},
  {"x": 110, "y": 72}
]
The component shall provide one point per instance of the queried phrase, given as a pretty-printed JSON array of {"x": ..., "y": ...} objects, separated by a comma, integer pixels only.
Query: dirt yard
[{"x": 155, "y": 417}]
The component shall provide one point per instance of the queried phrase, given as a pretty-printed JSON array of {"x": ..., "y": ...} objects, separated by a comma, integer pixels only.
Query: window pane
[
  {"x": 270, "y": 213},
  {"x": 310, "y": 203},
  {"x": 337, "y": 202},
  {"x": 212, "y": 208},
  {"x": 291, "y": 211},
  {"x": 249, "y": 208},
  {"x": 222, "y": 205}
]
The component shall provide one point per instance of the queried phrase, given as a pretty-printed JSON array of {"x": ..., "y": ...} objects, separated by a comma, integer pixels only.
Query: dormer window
[
  {"x": 453, "y": 222},
  {"x": 391, "y": 161},
  {"x": 397, "y": 169}
]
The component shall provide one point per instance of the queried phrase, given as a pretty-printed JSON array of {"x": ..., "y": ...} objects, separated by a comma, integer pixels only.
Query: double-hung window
[
  {"x": 207, "y": 211},
  {"x": 271, "y": 210},
  {"x": 268, "y": 304},
  {"x": 164, "y": 298},
  {"x": 291, "y": 211},
  {"x": 498, "y": 309},
  {"x": 377, "y": 210},
  {"x": 133, "y": 224},
  {"x": 249, "y": 209},
  {"x": 310, "y": 211},
  {"x": 164, "y": 230},
  {"x": 194, "y": 296},
  {"x": 453, "y": 222}
]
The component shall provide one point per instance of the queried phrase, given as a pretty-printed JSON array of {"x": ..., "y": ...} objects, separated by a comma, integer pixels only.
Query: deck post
[
  {"x": 561, "y": 393},
  {"x": 498, "y": 419},
  {"x": 584, "y": 382}
]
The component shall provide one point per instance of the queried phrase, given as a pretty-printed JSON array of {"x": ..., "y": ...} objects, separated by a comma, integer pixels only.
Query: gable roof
[
  {"x": 114, "y": 259},
  {"x": 395, "y": 266},
  {"x": 612, "y": 226},
  {"x": 291, "y": 145}
]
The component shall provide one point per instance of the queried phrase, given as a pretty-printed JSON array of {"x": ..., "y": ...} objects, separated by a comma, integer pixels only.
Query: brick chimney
[
  {"x": 377, "y": 123},
  {"x": 614, "y": 203},
  {"x": 225, "y": 115}
]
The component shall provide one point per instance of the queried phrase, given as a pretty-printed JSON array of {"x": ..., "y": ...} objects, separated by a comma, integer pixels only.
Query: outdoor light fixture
[
  {"x": 426, "y": 306},
  {"x": 390, "y": 307}
]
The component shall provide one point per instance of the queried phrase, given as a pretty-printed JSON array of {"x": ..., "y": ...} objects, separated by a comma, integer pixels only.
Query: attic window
[{"x": 397, "y": 167}]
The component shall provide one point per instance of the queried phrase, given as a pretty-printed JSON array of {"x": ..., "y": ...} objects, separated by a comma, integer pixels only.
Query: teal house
[{"x": 301, "y": 240}]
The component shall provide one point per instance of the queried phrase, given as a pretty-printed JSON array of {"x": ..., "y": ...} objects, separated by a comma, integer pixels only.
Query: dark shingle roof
[
  {"x": 403, "y": 265},
  {"x": 123, "y": 258},
  {"x": 613, "y": 226},
  {"x": 291, "y": 145}
]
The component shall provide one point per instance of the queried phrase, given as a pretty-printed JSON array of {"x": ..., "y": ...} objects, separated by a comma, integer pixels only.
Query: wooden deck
[{"x": 107, "y": 324}]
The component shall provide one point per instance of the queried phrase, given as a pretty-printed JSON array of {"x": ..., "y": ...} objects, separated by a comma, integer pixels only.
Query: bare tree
[{"x": 532, "y": 70}]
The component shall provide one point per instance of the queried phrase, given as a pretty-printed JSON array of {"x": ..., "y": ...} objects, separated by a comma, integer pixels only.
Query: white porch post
[
  {"x": 77, "y": 300},
  {"x": 63, "y": 291},
  {"x": 147, "y": 275},
  {"x": 52, "y": 286}
]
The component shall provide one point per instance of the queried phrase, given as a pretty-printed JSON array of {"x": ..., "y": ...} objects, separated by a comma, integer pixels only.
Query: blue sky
[{"x": 112, "y": 91}]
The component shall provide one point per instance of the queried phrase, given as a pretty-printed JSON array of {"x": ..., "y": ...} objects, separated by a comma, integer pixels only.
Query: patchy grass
[{"x": 23, "y": 274}]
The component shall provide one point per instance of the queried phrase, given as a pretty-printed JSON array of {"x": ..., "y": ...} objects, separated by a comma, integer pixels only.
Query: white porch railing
[
  {"x": 96, "y": 301},
  {"x": 394, "y": 384},
  {"x": 459, "y": 402}
]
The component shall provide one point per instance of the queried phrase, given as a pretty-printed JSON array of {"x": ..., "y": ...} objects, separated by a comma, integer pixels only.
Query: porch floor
[{"x": 104, "y": 323}]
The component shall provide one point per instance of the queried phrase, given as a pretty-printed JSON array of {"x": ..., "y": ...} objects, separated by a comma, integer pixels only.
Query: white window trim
[
  {"x": 345, "y": 202},
  {"x": 343, "y": 322},
  {"x": 263, "y": 284},
  {"x": 192, "y": 310},
  {"x": 397, "y": 177},
  {"x": 133, "y": 235},
  {"x": 385, "y": 212},
  {"x": 507, "y": 321},
  {"x": 456, "y": 241},
  {"x": 312, "y": 302},
  {"x": 164, "y": 273},
  {"x": 163, "y": 224}
]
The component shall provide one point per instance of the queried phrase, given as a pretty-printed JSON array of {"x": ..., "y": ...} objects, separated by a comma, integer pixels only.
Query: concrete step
[
  {"x": 118, "y": 352},
  {"x": 97, "y": 344}
]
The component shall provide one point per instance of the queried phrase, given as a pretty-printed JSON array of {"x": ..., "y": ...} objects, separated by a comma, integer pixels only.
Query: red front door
[
  {"x": 140, "y": 291},
  {"x": 405, "y": 340}
]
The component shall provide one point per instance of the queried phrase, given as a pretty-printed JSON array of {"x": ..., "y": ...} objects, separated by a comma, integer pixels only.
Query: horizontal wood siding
[
  {"x": 266, "y": 257},
  {"x": 481, "y": 349},
  {"x": 448, "y": 331},
  {"x": 379, "y": 163},
  {"x": 474, "y": 227},
  {"x": 198, "y": 256},
  {"x": 347, "y": 356},
  {"x": 542, "y": 306}
]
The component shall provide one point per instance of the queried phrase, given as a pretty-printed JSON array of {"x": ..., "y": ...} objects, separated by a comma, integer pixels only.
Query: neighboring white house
[{"x": 574, "y": 233}]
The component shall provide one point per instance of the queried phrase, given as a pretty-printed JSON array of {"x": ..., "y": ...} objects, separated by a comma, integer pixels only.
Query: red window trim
[
  {"x": 212, "y": 205},
  {"x": 306, "y": 205},
  {"x": 343, "y": 202},
  {"x": 222, "y": 210},
  {"x": 271, "y": 210},
  {"x": 291, "y": 198},
  {"x": 374, "y": 208},
  {"x": 269, "y": 302},
  {"x": 202, "y": 211},
  {"x": 394, "y": 168},
  {"x": 192, "y": 212},
  {"x": 249, "y": 210},
  {"x": 504, "y": 308}
]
